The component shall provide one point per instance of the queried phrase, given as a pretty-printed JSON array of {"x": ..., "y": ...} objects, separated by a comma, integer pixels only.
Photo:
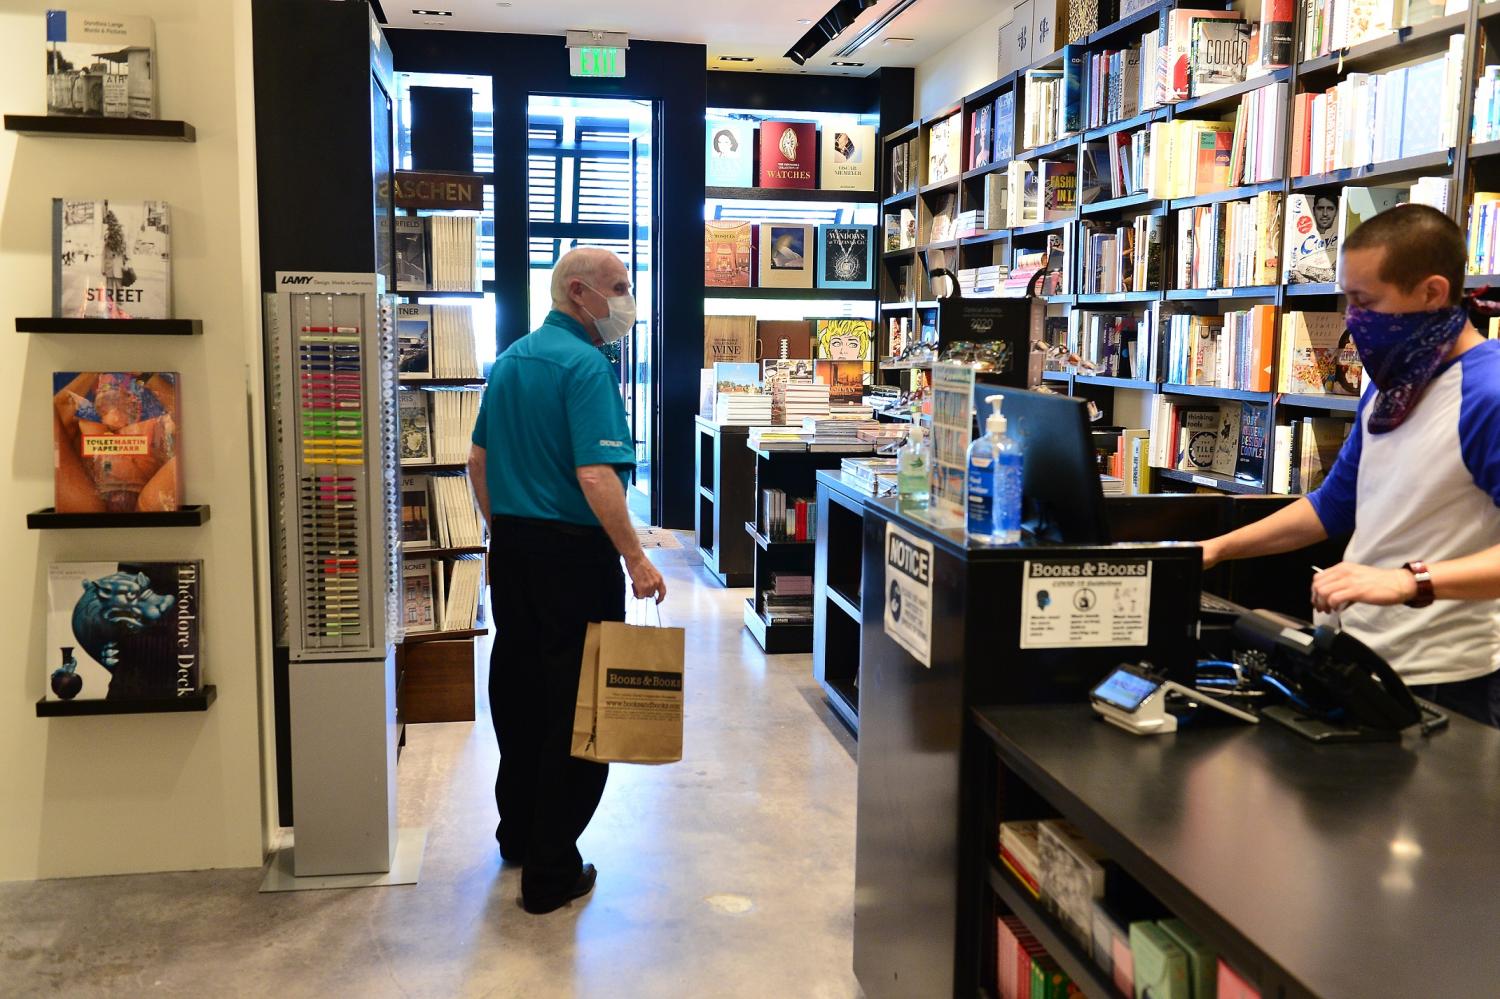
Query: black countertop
[{"x": 1354, "y": 871}]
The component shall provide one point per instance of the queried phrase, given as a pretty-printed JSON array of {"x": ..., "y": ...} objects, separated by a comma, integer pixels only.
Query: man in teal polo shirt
[{"x": 550, "y": 460}]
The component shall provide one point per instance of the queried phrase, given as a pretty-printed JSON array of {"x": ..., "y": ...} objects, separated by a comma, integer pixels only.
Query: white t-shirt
[{"x": 1428, "y": 490}]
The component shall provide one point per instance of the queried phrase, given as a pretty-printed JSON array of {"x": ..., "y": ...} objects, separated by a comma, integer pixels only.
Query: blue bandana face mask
[{"x": 1401, "y": 353}]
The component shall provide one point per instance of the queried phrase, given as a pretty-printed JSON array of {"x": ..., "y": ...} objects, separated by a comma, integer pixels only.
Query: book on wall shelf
[
  {"x": 416, "y": 512},
  {"x": 1317, "y": 356},
  {"x": 414, "y": 341},
  {"x": 728, "y": 254},
  {"x": 124, "y": 631},
  {"x": 116, "y": 437},
  {"x": 846, "y": 256},
  {"x": 1304, "y": 451},
  {"x": 981, "y": 136},
  {"x": 788, "y": 154},
  {"x": 848, "y": 160},
  {"x": 944, "y": 148},
  {"x": 1327, "y": 29},
  {"x": 787, "y": 256},
  {"x": 1195, "y": 438},
  {"x": 731, "y": 154},
  {"x": 437, "y": 253},
  {"x": 1229, "y": 244},
  {"x": 1232, "y": 351},
  {"x": 422, "y": 592},
  {"x": 100, "y": 65},
  {"x": 111, "y": 259}
]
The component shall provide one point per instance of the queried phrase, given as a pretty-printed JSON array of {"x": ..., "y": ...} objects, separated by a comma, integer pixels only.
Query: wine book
[
  {"x": 111, "y": 259},
  {"x": 731, "y": 154},
  {"x": 100, "y": 65},
  {"x": 124, "y": 631},
  {"x": 788, "y": 154},
  {"x": 728, "y": 254},
  {"x": 848, "y": 161},
  {"x": 115, "y": 440}
]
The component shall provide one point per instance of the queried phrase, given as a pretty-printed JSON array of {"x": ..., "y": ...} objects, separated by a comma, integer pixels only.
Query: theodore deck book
[
  {"x": 123, "y": 631},
  {"x": 116, "y": 436}
]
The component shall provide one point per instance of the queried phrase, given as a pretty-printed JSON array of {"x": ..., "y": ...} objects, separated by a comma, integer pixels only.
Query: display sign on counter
[
  {"x": 952, "y": 433},
  {"x": 1085, "y": 603},
  {"x": 908, "y": 593}
]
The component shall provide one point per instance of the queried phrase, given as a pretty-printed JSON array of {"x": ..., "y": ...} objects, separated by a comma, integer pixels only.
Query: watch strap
[{"x": 1425, "y": 593}]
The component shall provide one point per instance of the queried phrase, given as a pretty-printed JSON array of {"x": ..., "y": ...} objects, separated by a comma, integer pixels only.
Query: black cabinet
[
  {"x": 836, "y": 593},
  {"x": 726, "y": 500}
]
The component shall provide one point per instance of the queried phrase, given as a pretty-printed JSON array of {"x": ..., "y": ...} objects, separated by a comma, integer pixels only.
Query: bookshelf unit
[{"x": 1465, "y": 166}]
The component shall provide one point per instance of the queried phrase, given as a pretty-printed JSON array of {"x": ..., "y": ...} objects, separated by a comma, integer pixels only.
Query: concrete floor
[{"x": 728, "y": 874}]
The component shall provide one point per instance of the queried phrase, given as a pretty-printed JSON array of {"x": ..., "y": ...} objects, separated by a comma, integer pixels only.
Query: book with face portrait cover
[
  {"x": 116, "y": 436},
  {"x": 731, "y": 154},
  {"x": 123, "y": 630}
]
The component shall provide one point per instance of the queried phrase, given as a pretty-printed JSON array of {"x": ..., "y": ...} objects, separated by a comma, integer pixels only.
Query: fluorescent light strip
[{"x": 876, "y": 27}]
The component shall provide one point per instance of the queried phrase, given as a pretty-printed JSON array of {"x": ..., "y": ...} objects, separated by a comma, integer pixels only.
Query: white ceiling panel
[{"x": 761, "y": 29}]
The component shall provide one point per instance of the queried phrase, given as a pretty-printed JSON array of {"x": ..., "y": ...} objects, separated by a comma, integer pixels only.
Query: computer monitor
[{"x": 1063, "y": 500}]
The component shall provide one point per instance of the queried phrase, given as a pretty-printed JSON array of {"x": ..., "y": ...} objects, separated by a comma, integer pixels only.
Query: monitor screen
[
  {"x": 1062, "y": 496},
  {"x": 1125, "y": 690}
]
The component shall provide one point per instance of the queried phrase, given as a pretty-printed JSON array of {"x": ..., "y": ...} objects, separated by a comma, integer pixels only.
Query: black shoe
[
  {"x": 513, "y": 856},
  {"x": 582, "y": 887}
]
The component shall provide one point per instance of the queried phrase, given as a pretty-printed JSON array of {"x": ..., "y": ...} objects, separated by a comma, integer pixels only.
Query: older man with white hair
[{"x": 550, "y": 460}]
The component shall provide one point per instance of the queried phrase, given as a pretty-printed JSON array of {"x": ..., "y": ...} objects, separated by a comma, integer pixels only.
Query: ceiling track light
[
  {"x": 839, "y": 17},
  {"x": 736, "y": 58},
  {"x": 876, "y": 27},
  {"x": 433, "y": 13}
]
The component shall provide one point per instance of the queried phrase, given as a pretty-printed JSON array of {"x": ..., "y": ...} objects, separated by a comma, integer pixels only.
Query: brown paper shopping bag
[{"x": 630, "y": 695}]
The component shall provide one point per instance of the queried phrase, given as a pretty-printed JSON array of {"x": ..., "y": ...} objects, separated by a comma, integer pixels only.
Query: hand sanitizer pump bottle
[
  {"x": 912, "y": 473},
  {"x": 995, "y": 483}
]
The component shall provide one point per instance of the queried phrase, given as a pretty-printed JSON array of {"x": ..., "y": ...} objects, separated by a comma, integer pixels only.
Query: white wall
[
  {"x": 144, "y": 792},
  {"x": 962, "y": 68}
]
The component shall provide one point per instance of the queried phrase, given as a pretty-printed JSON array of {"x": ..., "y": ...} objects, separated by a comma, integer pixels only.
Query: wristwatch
[{"x": 1425, "y": 594}]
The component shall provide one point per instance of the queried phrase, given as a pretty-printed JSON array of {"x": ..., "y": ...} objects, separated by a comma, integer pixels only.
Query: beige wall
[
  {"x": 961, "y": 68},
  {"x": 145, "y": 792}
]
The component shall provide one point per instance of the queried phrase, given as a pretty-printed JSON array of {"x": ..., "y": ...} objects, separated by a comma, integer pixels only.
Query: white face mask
[{"x": 621, "y": 318}]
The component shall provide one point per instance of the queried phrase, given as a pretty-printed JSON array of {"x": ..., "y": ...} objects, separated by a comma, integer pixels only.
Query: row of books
[
  {"x": 1486, "y": 124},
  {"x": 1376, "y": 117},
  {"x": 439, "y": 511},
  {"x": 1304, "y": 451},
  {"x": 1113, "y": 342},
  {"x": 436, "y": 341},
  {"x": 1127, "y": 460},
  {"x": 1225, "y": 439},
  {"x": 742, "y": 339},
  {"x": 1339, "y": 24},
  {"x": 1484, "y": 233},
  {"x": 1316, "y": 356},
  {"x": 1229, "y": 244},
  {"x": 786, "y": 155},
  {"x": 1128, "y": 932},
  {"x": 437, "y": 253},
  {"x": 435, "y": 602},
  {"x": 771, "y": 255},
  {"x": 436, "y": 424},
  {"x": 1232, "y": 351},
  {"x": 1114, "y": 86},
  {"x": 784, "y": 518},
  {"x": 1123, "y": 258}
]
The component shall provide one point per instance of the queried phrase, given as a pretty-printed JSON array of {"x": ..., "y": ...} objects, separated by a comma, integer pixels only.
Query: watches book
[
  {"x": 116, "y": 436},
  {"x": 122, "y": 631},
  {"x": 111, "y": 259},
  {"x": 788, "y": 154}
]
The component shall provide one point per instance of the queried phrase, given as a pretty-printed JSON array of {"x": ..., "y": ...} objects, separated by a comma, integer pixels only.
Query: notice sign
[
  {"x": 1085, "y": 603},
  {"x": 908, "y": 593}
]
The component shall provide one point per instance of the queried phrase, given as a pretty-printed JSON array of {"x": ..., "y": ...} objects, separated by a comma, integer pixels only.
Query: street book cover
[
  {"x": 111, "y": 259},
  {"x": 116, "y": 436},
  {"x": 122, "y": 631}
]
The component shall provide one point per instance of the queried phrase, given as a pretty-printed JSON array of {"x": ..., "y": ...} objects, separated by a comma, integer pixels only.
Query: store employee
[
  {"x": 551, "y": 451},
  {"x": 1418, "y": 481}
]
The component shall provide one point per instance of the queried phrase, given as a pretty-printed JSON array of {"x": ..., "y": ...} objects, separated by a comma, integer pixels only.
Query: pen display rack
[{"x": 332, "y": 355}]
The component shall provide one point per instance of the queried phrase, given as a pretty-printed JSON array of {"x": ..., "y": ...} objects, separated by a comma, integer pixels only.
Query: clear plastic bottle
[
  {"x": 994, "y": 507},
  {"x": 912, "y": 473}
]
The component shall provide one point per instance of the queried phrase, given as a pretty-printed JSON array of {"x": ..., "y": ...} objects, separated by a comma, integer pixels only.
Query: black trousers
[{"x": 548, "y": 581}]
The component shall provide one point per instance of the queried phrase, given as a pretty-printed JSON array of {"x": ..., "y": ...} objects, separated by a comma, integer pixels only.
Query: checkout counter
[{"x": 1354, "y": 870}]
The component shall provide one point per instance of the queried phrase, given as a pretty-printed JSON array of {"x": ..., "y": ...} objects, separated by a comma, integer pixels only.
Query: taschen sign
[{"x": 438, "y": 190}]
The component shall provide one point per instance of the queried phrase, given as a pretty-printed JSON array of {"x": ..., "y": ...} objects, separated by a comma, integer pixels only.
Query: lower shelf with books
[
  {"x": 1060, "y": 947},
  {"x": 1330, "y": 403},
  {"x": 1211, "y": 480}
]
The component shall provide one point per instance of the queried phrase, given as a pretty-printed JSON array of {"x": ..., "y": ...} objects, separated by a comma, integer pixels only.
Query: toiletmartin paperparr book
[
  {"x": 116, "y": 436},
  {"x": 122, "y": 631},
  {"x": 111, "y": 259},
  {"x": 100, "y": 65}
]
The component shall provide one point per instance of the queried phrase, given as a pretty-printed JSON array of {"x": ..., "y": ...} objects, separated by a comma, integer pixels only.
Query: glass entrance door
[{"x": 592, "y": 182}]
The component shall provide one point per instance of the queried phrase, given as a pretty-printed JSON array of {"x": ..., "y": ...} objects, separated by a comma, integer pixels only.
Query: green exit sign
[{"x": 597, "y": 61}]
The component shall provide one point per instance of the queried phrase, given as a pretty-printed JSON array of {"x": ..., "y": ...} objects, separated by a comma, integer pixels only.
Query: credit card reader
[{"x": 1133, "y": 699}]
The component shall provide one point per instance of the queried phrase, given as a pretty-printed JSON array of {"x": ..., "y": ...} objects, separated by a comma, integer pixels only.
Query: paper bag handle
[{"x": 643, "y": 605}]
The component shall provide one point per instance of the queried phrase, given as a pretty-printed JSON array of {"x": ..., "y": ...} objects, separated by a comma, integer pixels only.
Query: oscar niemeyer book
[
  {"x": 848, "y": 160},
  {"x": 122, "y": 631},
  {"x": 111, "y": 259},
  {"x": 116, "y": 436},
  {"x": 788, "y": 154}
]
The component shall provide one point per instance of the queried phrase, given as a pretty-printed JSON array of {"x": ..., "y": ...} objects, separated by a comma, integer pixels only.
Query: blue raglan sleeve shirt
[{"x": 1479, "y": 418}]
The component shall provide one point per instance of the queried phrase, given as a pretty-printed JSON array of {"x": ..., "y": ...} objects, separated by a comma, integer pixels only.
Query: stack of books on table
[
  {"x": 878, "y": 475},
  {"x": 777, "y": 439},
  {"x": 831, "y": 429},
  {"x": 742, "y": 409},
  {"x": 789, "y": 600},
  {"x": 801, "y": 400}
]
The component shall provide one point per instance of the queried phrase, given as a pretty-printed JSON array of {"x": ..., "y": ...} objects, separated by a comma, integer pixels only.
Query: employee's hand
[
  {"x": 1350, "y": 583},
  {"x": 645, "y": 580},
  {"x": 1213, "y": 552}
]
